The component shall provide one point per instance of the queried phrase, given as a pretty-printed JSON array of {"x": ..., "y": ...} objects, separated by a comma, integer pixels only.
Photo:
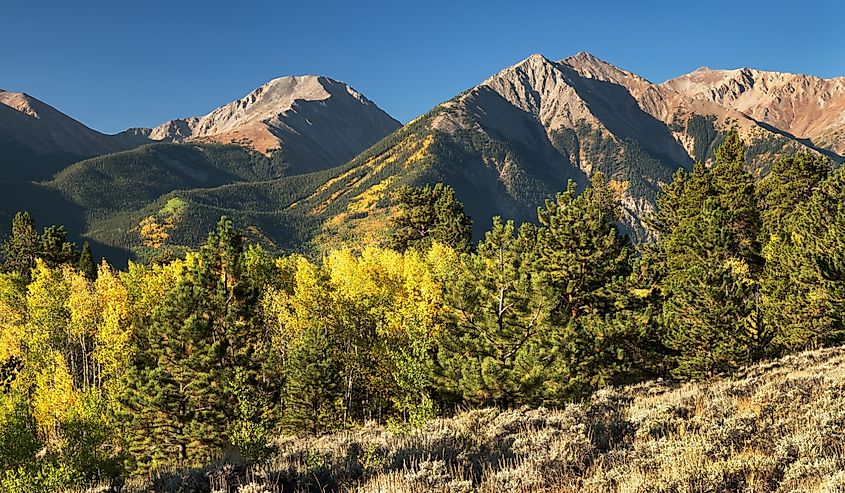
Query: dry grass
[{"x": 778, "y": 426}]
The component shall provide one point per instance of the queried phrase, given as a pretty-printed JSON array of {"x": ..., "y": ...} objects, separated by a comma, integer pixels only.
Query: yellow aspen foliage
[
  {"x": 84, "y": 310},
  {"x": 113, "y": 330},
  {"x": 12, "y": 315},
  {"x": 154, "y": 233},
  {"x": 54, "y": 396},
  {"x": 82, "y": 303},
  {"x": 46, "y": 300},
  {"x": 146, "y": 285}
]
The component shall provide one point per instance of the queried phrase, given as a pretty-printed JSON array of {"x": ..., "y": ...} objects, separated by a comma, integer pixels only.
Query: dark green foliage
[
  {"x": 21, "y": 162},
  {"x": 581, "y": 249},
  {"x": 182, "y": 385},
  {"x": 706, "y": 266},
  {"x": 313, "y": 392},
  {"x": 732, "y": 149},
  {"x": 585, "y": 262},
  {"x": 428, "y": 214},
  {"x": 55, "y": 249},
  {"x": 804, "y": 285},
  {"x": 736, "y": 194},
  {"x": 24, "y": 245},
  {"x": 711, "y": 314},
  {"x": 86, "y": 263},
  {"x": 789, "y": 184},
  {"x": 493, "y": 352},
  {"x": 541, "y": 316}
]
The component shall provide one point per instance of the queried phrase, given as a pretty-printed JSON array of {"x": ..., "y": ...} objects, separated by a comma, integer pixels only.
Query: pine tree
[
  {"x": 789, "y": 184},
  {"x": 313, "y": 391},
  {"x": 581, "y": 249},
  {"x": 22, "y": 246},
  {"x": 202, "y": 348},
  {"x": 706, "y": 266},
  {"x": 55, "y": 250},
  {"x": 711, "y": 315},
  {"x": 86, "y": 262},
  {"x": 488, "y": 355},
  {"x": 430, "y": 213},
  {"x": 585, "y": 262},
  {"x": 735, "y": 190},
  {"x": 804, "y": 282}
]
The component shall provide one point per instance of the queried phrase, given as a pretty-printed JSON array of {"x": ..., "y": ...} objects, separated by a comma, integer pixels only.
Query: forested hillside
[{"x": 212, "y": 354}]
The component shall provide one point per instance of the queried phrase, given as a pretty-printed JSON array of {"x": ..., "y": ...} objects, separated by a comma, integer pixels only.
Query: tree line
[{"x": 108, "y": 373}]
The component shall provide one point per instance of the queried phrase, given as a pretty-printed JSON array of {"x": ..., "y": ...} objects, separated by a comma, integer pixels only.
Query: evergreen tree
[
  {"x": 735, "y": 190},
  {"x": 804, "y": 283},
  {"x": 313, "y": 391},
  {"x": 202, "y": 347},
  {"x": 430, "y": 213},
  {"x": 790, "y": 183},
  {"x": 585, "y": 263},
  {"x": 711, "y": 315},
  {"x": 22, "y": 246},
  {"x": 599, "y": 335},
  {"x": 581, "y": 249},
  {"x": 55, "y": 250},
  {"x": 491, "y": 354},
  {"x": 86, "y": 262},
  {"x": 706, "y": 266}
]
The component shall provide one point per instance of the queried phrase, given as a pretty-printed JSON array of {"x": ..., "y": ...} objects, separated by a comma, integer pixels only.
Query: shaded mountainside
[
  {"x": 316, "y": 122},
  {"x": 103, "y": 197},
  {"x": 36, "y": 140},
  {"x": 774, "y": 427}
]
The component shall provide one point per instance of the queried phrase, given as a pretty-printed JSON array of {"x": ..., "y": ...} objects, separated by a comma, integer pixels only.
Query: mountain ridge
[
  {"x": 286, "y": 109},
  {"x": 505, "y": 145}
]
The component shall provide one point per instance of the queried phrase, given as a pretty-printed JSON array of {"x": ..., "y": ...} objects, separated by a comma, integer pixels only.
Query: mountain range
[{"x": 303, "y": 162}]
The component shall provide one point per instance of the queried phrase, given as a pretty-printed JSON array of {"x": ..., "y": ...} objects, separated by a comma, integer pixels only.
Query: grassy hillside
[{"x": 776, "y": 426}]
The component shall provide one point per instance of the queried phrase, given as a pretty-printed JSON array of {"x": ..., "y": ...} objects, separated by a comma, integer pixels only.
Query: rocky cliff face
[
  {"x": 316, "y": 122},
  {"x": 803, "y": 106}
]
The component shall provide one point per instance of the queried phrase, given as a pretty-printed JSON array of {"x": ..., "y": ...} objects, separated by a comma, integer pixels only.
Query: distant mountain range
[{"x": 305, "y": 161}]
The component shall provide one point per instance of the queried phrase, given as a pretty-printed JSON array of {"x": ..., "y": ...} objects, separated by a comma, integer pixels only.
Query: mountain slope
[
  {"x": 505, "y": 146},
  {"x": 515, "y": 139},
  {"x": 803, "y": 106},
  {"x": 317, "y": 123},
  {"x": 36, "y": 140}
]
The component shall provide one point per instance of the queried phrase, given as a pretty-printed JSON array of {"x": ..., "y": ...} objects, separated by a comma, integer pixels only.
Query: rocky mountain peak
[
  {"x": 593, "y": 67},
  {"x": 318, "y": 121}
]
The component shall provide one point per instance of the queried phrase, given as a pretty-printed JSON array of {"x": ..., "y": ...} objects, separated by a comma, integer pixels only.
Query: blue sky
[{"x": 115, "y": 64}]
